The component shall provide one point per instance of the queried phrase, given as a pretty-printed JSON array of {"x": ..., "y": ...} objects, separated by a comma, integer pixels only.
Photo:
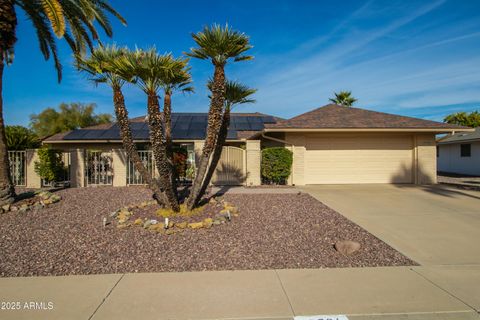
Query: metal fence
[
  {"x": 99, "y": 168},
  {"x": 133, "y": 176},
  {"x": 18, "y": 167}
]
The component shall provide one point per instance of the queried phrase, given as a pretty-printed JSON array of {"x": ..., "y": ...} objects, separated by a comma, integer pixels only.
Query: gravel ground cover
[{"x": 272, "y": 231}]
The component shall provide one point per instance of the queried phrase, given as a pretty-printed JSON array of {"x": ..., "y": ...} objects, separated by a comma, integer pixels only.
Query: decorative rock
[
  {"x": 208, "y": 222},
  {"x": 6, "y": 207},
  {"x": 195, "y": 225},
  {"x": 347, "y": 247},
  {"x": 169, "y": 231},
  {"x": 181, "y": 225},
  {"x": 13, "y": 208},
  {"x": 212, "y": 201},
  {"x": 122, "y": 226},
  {"x": 138, "y": 222},
  {"x": 217, "y": 222}
]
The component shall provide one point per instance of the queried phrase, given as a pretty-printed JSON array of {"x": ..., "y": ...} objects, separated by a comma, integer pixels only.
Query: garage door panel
[{"x": 355, "y": 159}]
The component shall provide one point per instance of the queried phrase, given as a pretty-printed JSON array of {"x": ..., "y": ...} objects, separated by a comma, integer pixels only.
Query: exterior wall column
[
  {"x": 298, "y": 141},
  {"x": 77, "y": 168},
  {"x": 119, "y": 162},
  {"x": 197, "y": 148},
  {"x": 425, "y": 159},
  {"x": 33, "y": 180},
  {"x": 253, "y": 155}
]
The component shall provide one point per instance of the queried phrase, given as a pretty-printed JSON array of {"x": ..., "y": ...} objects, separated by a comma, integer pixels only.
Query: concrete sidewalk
[{"x": 360, "y": 293}]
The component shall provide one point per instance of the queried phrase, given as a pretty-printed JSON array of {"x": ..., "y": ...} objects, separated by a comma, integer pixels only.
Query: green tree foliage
[
  {"x": 276, "y": 164},
  {"x": 68, "y": 117},
  {"x": 343, "y": 98},
  {"x": 21, "y": 138},
  {"x": 471, "y": 119},
  {"x": 50, "y": 166}
]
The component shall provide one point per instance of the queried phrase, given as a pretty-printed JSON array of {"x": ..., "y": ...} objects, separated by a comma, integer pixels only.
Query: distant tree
[
  {"x": 471, "y": 119},
  {"x": 344, "y": 98},
  {"x": 68, "y": 117},
  {"x": 21, "y": 138}
]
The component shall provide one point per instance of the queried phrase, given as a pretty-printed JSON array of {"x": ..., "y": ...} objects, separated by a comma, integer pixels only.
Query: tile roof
[
  {"x": 333, "y": 116},
  {"x": 461, "y": 137}
]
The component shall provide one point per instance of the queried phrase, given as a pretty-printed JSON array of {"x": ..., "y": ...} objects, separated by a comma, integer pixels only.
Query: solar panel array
[{"x": 185, "y": 126}]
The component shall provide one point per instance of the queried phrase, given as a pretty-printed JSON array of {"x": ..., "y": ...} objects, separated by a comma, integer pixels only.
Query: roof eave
[{"x": 429, "y": 130}]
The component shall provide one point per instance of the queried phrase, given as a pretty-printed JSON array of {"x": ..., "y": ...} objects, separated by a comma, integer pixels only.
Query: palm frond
[{"x": 54, "y": 12}]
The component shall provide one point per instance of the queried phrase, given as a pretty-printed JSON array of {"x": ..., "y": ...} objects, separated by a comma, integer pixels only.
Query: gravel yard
[{"x": 273, "y": 231}]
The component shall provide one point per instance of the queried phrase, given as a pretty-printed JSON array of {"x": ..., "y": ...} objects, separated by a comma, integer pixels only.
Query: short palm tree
[
  {"x": 74, "y": 21},
  {"x": 101, "y": 66},
  {"x": 343, "y": 98},
  {"x": 235, "y": 94},
  {"x": 217, "y": 44},
  {"x": 176, "y": 77},
  {"x": 147, "y": 69}
]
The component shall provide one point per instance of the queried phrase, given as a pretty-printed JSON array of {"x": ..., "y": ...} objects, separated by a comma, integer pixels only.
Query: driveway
[
  {"x": 434, "y": 225},
  {"x": 437, "y": 226}
]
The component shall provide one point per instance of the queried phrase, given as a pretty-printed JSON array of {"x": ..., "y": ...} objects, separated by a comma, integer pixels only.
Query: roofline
[
  {"x": 433, "y": 130},
  {"x": 459, "y": 141}
]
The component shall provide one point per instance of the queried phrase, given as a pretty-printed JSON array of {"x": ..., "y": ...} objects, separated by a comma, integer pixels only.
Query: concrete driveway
[
  {"x": 437, "y": 226},
  {"x": 434, "y": 225}
]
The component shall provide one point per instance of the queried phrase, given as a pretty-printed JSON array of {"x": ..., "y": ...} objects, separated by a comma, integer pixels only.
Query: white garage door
[{"x": 361, "y": 158}]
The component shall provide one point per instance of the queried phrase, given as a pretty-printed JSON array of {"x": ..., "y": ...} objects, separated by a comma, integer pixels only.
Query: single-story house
[
  {"x": 331, "y": 145},
  {"x": 460, "y": 153}
]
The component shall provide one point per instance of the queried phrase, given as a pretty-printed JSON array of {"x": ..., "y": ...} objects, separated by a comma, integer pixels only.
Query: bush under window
[
  {"x": 276, "y": 165},
  {"x": 50, "y": 166}
]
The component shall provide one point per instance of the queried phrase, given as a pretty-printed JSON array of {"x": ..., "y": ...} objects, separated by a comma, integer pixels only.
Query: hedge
[{"x": 276, "y": 165}]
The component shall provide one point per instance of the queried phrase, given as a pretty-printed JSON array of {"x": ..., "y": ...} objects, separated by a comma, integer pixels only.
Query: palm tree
[
  {"x": 71, "y": 20},
  {"x": 148, "y": 69},
  {"x": 343, "y": 98},
  {"x": 217, "y": 44},
  {"x": 235, "y": 94},
  {"x": 102, "y": 67}
]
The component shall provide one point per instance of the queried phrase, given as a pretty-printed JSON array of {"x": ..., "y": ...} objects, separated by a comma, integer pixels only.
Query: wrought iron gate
[
  {"x": 18, "y": 166},
  {"x": 99, "y": 168},
  {"x": 133, "y": 176}
]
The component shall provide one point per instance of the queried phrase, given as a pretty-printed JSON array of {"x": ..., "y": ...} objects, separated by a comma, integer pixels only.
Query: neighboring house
[
  {"x": 331, "y": 145},
  {"x": 460, "y": 153}
]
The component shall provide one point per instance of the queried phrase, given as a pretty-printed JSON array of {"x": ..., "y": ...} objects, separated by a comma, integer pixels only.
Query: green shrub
[
  {"x": 20, "y": 138},
  {"x": 276, "y": 165},
  {"x": 50, "y": 166}
]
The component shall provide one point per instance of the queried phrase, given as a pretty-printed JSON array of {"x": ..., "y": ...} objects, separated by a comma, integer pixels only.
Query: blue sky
[{"x": 417, "y": 58}]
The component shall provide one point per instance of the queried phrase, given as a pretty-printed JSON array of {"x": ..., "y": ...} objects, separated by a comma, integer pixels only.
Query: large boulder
[{"x": 347, "y": 247}]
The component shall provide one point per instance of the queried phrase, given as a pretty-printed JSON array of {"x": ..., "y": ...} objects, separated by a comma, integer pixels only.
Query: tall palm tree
[
  {"x": 71, "y": 20},
  {"x": 235, "y": 94},
  {"x": 343, "y": 98},
  {"x": 148, "y": 68},
  {"x": 217, "y": 44},
  {"x": 102, "y": 67}
]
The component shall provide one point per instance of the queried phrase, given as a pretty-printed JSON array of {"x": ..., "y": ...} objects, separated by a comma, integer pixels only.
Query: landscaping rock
[
  {"x": 347, "y": 247},
  {"x": 181, "y": 225},
  {"x": 169, "y": 231},
  {"x": 138, "y": 222},
  {"x": 217, "y": 222},
  {"x": 6, "y": 207},
  {"x": 208, "y": 222},
  {"x": 195, "y": 225},
  {"x": 122, "y": 226}
]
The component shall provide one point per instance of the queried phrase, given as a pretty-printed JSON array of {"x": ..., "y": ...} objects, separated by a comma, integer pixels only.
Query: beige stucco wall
[
  {"x": 77, "y": 168},
  {"x": 119, "y": 161},
  {"x": 32, "y": 179},
  {"x": 426, "y": 159},
  {"x": 253, "y": 158}
]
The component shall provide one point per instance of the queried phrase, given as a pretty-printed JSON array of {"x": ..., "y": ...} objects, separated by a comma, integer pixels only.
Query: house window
[{"x": 465, "y": 150}]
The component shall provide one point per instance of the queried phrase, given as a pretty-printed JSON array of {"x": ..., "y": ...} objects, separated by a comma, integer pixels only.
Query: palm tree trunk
[
  {"x": 217, "y": 151},
  {"x": 160, "y": 151},
  {"x": 213, "y": 127},
  {"x": 167, "y": 119},
  {"x": 130, "y": 147}
]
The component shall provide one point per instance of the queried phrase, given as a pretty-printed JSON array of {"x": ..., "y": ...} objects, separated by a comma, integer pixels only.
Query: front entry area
[{"x": 345, "y": 158}]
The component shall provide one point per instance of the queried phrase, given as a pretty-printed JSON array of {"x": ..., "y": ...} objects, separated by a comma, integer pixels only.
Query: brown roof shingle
[{"x": 333, "y": 116}]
